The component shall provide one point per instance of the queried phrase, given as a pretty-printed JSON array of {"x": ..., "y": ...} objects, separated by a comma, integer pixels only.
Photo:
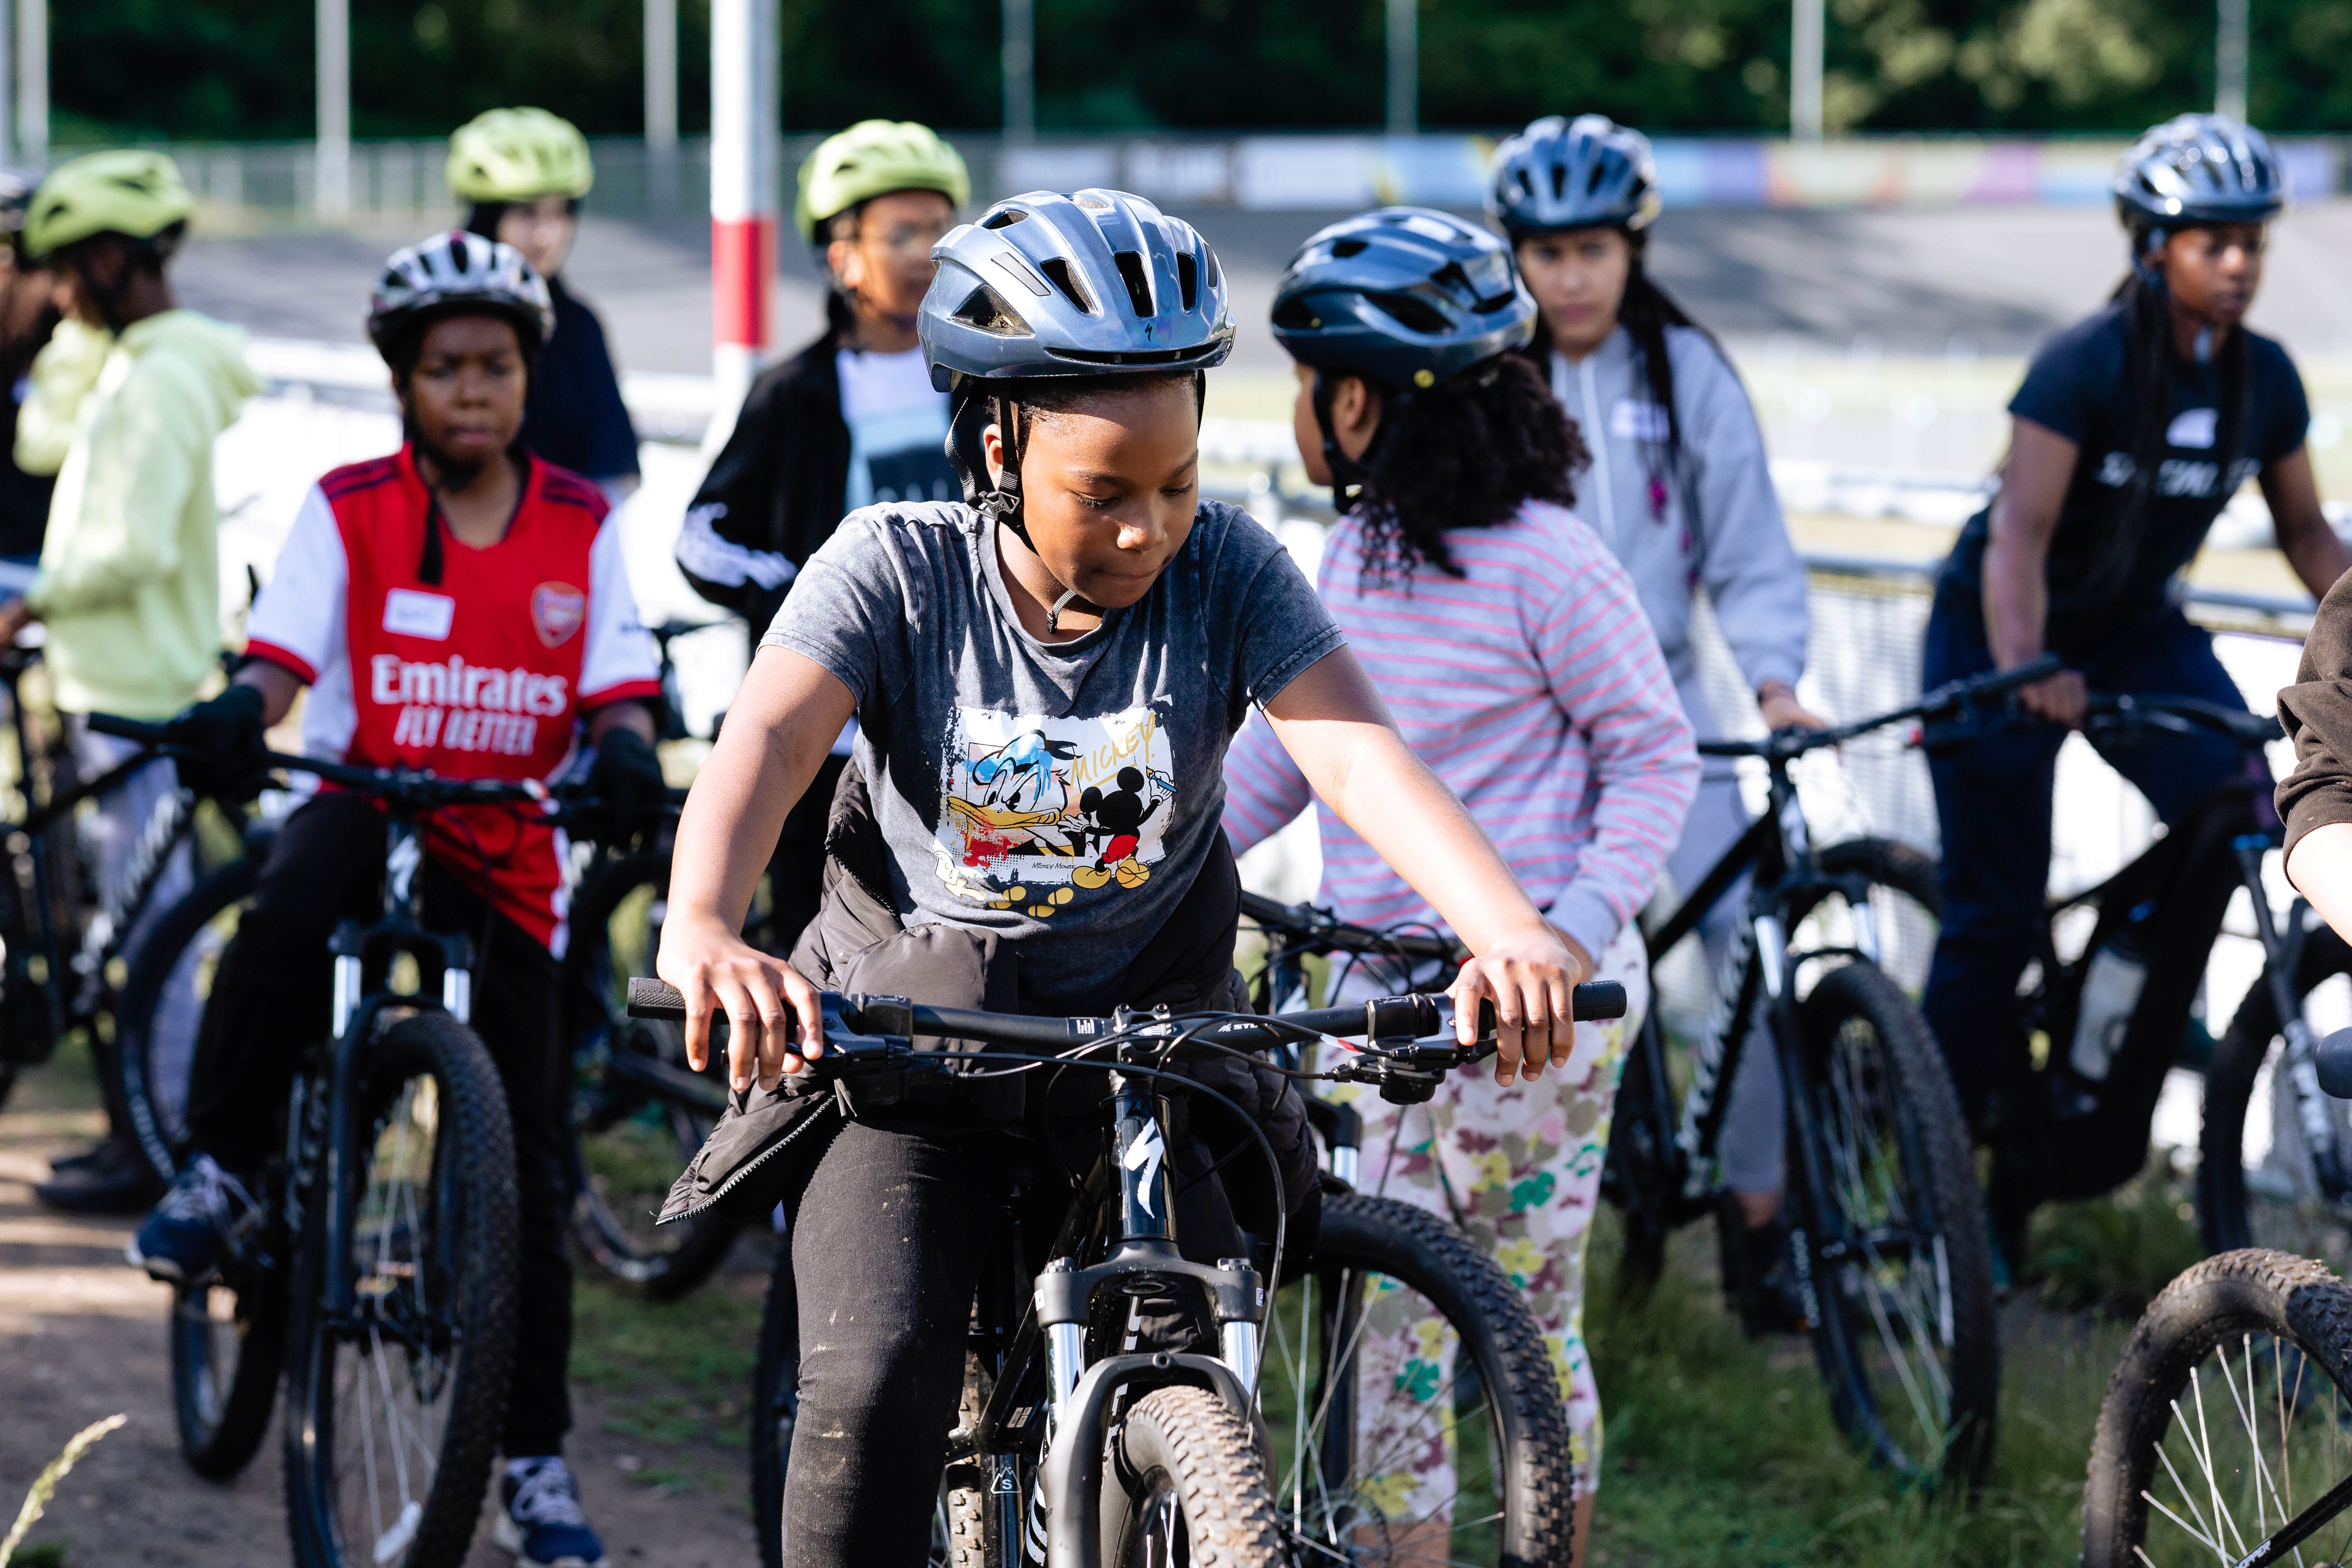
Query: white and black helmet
[
  {"x": 1586, "y": 173},
  {"x": 456, "y": 273},
  {"x": 1094, "y": 283},
  {"x": 2199, "y": 169}
]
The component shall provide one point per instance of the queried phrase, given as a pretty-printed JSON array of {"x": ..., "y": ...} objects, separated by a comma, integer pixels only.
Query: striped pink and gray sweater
[{"x": 1535, "y": 688}]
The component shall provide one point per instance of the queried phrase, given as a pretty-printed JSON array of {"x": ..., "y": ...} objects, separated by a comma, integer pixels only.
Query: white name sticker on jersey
[{"x": 415, "y": 614}]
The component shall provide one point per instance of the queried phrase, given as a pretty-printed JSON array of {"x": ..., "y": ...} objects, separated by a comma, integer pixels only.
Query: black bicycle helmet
[
  {"x": 1586, "y": 173},
  {"x": 1405, "y": 297},
  {"x": 2198, "y": 169}
]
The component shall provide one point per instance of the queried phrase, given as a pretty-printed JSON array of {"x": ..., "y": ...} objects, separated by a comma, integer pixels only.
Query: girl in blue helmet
[
  {"x": 1681, "y": 491},
  {"x": 1512, "y": 647},
  {"x": 2132, "y": 431},
  {"x": 1046, "y": 675}
]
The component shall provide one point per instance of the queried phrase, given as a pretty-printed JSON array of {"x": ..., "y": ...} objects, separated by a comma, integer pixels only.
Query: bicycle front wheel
[
  {"x": 393, "y": 1406},
  {"x": 161, "y": 1010},
  {"x": 2252, "y": 1196},
  {"x": 1415, "y": 1411},
  {"x": 630, "y": 1138},
  {"x": 2227, "y": 1416},
  {"x": 1905, "y": 1330},
  {"x": 228, "y": 1345}
]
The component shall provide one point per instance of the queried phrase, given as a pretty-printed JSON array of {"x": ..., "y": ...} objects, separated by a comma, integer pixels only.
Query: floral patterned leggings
[{"x": 1519, "y": 1169}]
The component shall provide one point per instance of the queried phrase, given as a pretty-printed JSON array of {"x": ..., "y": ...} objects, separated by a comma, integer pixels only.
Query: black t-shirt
[
  {"x": 2079, "y": 386},
  {"x": 572, "y": 416}
]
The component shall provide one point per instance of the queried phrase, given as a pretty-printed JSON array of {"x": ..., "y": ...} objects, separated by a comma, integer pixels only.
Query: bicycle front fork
[{"x": 2315, "y": 1112}]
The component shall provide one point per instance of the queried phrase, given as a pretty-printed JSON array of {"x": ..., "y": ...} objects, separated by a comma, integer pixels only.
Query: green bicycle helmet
[
  {"x": 135, "y": 194},
  {"x": 519, "y": 155},
  {"x": 873, "y": 158}
]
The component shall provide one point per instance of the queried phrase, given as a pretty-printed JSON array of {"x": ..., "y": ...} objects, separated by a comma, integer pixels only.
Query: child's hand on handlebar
[
  {"x": 775, "y": 1022},
  {"x": 1529, "y": 978}
]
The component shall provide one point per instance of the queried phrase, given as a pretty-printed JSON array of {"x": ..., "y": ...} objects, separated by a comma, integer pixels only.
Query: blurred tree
[{"x": 241, "y": 69}]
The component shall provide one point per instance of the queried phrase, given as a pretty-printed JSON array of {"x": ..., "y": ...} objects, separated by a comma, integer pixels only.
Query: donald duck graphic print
[{"x": 1038, "y": 811}]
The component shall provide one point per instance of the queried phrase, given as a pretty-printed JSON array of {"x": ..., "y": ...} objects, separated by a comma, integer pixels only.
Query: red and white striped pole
[{"x": 746, "y": 39}]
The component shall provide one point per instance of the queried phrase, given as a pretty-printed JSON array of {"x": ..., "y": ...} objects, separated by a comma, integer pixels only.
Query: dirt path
[{"x": 81, "y": 1337}]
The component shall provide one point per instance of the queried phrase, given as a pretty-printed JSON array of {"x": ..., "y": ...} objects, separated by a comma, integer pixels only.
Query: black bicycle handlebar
[
  {"x": 416, "y": 788},
  {"x": 1388, "y": 1017},
  {"x": 2107, "y": 710},
  {"x": 1784, "y": 745},
  {"x": 1309, "y": 925}
]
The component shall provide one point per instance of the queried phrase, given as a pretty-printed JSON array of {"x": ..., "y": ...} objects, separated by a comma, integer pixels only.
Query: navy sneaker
[
  {"x": 194, "y": 1225},
  {"x": 539, "y": 1520}
]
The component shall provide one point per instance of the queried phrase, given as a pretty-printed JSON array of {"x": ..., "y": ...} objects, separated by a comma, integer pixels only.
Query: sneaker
[
  {"x": 1770, "y": 1300},
  {"x": 539, "y": 1520},
  {"x": 112, "y": 1178},
  {"x": 193, "y": 1228}
]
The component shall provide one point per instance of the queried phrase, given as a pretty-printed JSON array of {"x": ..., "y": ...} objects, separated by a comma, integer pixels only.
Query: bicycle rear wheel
[
  {"x": 228, "y": 1346},
  {"x": 631, "y": 1138},
  {"x": 1905, "y": 1329},
  {"x": 1403, "y": 1342},
  {"x": 2276, "y": 1200},
  {"x": 393, "y": 1409},
  {"x": 161, "y": 1009},
  {"x": 2228, "y": 1416}
]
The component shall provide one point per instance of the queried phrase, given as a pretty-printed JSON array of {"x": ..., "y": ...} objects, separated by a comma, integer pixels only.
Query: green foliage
[
  {"x": 242, "y": 69},
  {"x": 2114, "y": 1253}
]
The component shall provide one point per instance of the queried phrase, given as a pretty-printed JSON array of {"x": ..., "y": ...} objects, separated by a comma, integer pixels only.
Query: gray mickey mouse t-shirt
[{"x": 1063, "y": 794}]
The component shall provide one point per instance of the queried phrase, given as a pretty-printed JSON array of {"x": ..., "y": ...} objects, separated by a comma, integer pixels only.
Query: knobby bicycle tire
[
  {"x": 1186, "y": 1461},
  {"x": 613, "y": 1239},
  {"x": 2281, "y": 1326},
  {"x": 472, "y": 1171},
  {"x": 1868, "y": 1057},
  {"x": 221, "y": 1406},
  {"x": 1497, "y": 1337},
  {"x": 164, "y": 953},
  {"x": 2281, "y": 1207}
]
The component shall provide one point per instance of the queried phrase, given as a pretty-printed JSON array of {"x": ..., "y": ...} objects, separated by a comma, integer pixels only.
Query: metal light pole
[
  {"x": 1020, "y": 70},
  {"x": 32, "y": 82},
  {"x": 746, "y": 41},
  {"x": 1404, "y": 66},
  {"x": 1805, "y": 35},
  {"x": 2229, "y": 60},
  {"x": 7, "y": 87},
  {"x": 661, "y": 74},
  {"x": 332, "y": 194}
]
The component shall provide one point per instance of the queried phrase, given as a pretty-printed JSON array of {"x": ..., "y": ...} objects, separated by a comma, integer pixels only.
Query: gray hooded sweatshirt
[{"x": 1737, "y": 547}]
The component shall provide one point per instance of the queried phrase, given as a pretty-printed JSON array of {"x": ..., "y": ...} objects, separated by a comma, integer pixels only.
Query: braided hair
[
  {"x": 2148, "y": 354},
  {"x": 1466, "y": 453}
]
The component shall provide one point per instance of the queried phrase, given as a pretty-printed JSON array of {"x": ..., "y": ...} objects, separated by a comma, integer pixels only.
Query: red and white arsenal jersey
[{"x": 484, "y": 674}]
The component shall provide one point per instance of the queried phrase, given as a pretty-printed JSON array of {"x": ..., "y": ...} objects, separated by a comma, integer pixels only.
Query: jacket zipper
[{"x": 743, "y": 1172}]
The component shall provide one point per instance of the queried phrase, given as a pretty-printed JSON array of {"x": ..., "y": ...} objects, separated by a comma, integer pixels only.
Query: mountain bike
[
  {"x": 2226, "y": 1433},
  {"x": 64, "y": 962},
  {"x": 377, "y": 1271},
  {"x": 1893, "y": 1270},
  {"x": 1072, "y": 1450}
]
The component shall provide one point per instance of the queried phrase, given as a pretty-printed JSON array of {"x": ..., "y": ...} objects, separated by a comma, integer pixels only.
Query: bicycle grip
[
  {"x": 1597, "y": 999},
  {"x": 656, "y": 999},
  {"x": 2333, "y": 1060},
  {"x": 126, "y": 728}
]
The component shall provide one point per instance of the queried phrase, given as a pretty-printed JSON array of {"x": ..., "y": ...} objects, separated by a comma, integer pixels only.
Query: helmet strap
[
  {"x": 1000, "y": 500},
  {"x": 1350, "y": 475}
]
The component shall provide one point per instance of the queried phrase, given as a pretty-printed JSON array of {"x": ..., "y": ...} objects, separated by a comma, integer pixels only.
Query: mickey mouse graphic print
[
  {"x": 1039, "y": 810},
  {"x": 1064, "y": 794}
]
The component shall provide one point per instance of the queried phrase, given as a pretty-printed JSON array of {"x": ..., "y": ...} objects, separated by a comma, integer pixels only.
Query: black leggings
[
  {"x": 888, "y": 1230},
  {"x": 275, "y": 994}
]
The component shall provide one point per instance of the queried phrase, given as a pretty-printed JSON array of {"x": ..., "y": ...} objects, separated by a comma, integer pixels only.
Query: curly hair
[{"x": 1466, "y": 453}]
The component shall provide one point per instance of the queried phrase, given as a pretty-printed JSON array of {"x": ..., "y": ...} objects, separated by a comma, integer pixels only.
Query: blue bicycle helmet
[
  {"x": 1586, "y": 173},
  {"x": 1403, "y": 296},
  {"x": 1094, "y": 283},
  {"x": 2198, "y": 169}
]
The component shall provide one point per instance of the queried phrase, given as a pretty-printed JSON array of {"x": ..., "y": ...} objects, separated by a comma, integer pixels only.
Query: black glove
[
  {"x": 222, "y": 739},
  {"x": 626, "y": 778}
]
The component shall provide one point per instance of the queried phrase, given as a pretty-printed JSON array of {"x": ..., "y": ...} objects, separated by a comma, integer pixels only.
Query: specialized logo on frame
[{"x": 1037, "y": 810}]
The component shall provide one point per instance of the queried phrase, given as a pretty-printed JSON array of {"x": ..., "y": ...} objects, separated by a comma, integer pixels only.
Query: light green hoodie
[{"x": 129, "y": 578}]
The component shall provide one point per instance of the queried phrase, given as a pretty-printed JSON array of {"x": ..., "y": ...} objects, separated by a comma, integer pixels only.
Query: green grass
[
  {"x": 1721, "y": 1450},
  {"x": 673, "y": 1375}
]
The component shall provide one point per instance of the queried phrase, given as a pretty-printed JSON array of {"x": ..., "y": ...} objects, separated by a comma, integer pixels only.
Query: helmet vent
[
  {"x": 1295, "y": 315},
  {"x": 1343, "y": 249},
  {"x": 1093, "y": 203},
  {"x": 1005, "y": 219},
  {"x": 1138, "y": 287},
  {"x": 1058, "y": 273},
  {"x": 1187, "y": 282},
  {"x": 985, "y": 308},
  {"x": 1412, "y": 314}
]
